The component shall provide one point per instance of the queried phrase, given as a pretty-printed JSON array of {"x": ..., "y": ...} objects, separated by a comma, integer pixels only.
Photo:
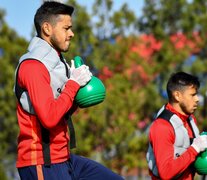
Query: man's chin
[{"x": 65, "y": 49}]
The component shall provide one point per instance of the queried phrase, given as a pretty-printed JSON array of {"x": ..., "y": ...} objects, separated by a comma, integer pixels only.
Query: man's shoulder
[
  {"x": 32, "y": 68},
  {"x": 160, "y": 124},
  {"x": 31, "y": 63}
]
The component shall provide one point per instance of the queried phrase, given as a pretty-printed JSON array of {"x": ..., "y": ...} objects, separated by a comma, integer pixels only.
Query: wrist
[
  {"x": 196, "y": 148},
  {"x": 72, "y": 79},
  {"x": 73, "y": 83}
]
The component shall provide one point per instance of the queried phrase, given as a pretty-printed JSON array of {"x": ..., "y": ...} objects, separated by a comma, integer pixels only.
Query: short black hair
[
  {"x": 179, "y": 81},
  {"x": 48, "y": 11}
]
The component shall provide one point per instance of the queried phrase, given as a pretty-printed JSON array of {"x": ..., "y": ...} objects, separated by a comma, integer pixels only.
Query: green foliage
[
  {"x": 11, "y": 47},
  {"x": 2, "y": 173},
  {"x": 112, "y": 127}
]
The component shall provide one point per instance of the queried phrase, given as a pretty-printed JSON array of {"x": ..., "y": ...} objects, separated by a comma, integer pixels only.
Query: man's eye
[{"x": 68, "y": 28}]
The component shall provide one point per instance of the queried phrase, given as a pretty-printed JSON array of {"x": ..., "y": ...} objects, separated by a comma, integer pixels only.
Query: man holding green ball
[
  {"x": 174, "y": 140},
  {"x": 46, "y": 87}
]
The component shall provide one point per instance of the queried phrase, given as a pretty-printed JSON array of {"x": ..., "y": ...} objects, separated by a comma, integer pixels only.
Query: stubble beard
[{"x": 185, "y": 109}]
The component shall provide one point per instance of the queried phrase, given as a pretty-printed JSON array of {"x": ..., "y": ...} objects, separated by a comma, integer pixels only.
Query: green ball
[
  {"x": 92, "y": 93},
  {"x": 200, "y": 163}
]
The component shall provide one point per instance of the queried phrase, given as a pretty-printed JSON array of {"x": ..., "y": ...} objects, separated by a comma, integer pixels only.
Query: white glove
[
  {"x": 200, "y": 143},
  {"x": 81, "y": 75}
]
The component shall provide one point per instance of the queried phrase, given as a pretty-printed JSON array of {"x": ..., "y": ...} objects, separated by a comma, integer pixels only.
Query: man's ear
[
  {"x": 177, "y": 95},
  {"x": 46, "y": 29}
]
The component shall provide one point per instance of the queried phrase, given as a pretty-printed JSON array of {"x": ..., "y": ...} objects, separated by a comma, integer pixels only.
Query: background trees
[
  {"x": 11, "y": 47},
  {"x": 134, "y": 57}
]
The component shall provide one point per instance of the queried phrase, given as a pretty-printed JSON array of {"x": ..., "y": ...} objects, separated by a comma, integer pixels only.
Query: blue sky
[{"x": 20, "y": 13}]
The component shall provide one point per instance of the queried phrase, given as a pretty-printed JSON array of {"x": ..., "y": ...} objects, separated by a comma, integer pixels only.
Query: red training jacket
[
  {"x": 162, "y": 137},
  {"x": 34, "y": 77}
]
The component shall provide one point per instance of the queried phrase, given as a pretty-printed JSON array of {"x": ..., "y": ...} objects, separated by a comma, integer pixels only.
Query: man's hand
[
  {"x": 81, "y": 75},
  {"x": 200, "y": 143}
]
